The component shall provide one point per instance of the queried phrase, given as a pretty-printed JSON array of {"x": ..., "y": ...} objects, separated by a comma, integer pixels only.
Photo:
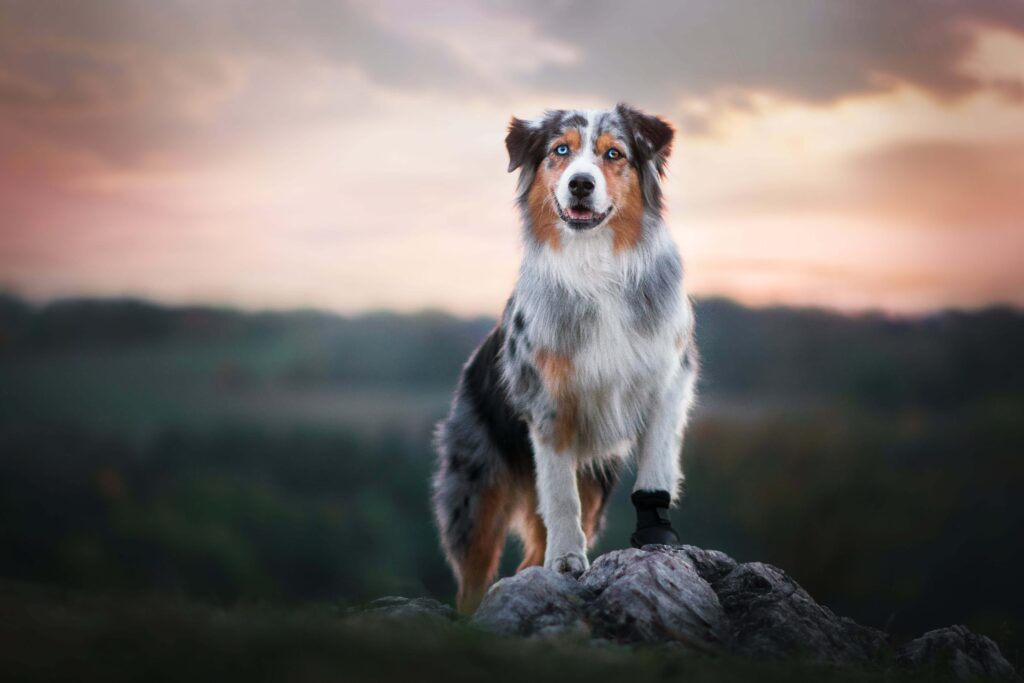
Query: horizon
[
  {"x": 230, "y": 307},
  {"x": 349, "y": 156}
]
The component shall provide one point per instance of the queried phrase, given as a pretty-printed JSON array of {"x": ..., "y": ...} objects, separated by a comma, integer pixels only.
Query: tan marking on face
[
  {"x": 571, "y": 138},
  {"x": 623, "y": 185},
  {"x": 556, "y": 373},
  {"x": 540, "y": 199},
  {"x": 679, "y": 342},
  {"x": 543, "y": 216},
  {"x": 605, "y": 141}
]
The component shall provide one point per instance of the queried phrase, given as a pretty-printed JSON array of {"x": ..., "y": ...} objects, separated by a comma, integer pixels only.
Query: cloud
[
  {"x": 932, "y": 184},
  {"x": 345, "y": 33},
  {"x": 349, "y": 154},
  {"x": 809, "y": 50},
  {"x": 950, "y": 184},
  {"x": 136, "y": 83}
]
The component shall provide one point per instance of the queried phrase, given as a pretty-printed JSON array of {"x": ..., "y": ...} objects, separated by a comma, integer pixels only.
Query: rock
[
  {"x": 710, "y": 564},
  {"x": 404, "y": 608},
  {"x": 958, "y": 652},
  {"x": 770, "y": 615},
  {"x": 534, "y": 602},
  {"x": 706, "y": 601},
  {"x": 644, "y": 596}
]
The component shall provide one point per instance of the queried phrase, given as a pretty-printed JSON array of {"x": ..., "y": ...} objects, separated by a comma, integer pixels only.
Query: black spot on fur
[
  {"x": 527, "y": 378},
  {"x": 575, "y": 121},
  {"x": 519, "y": 322},
  {"x": 655, "y": 294},
  {"x": 487, "y": 395},
  {"x": 512, "y": 347},
  {"x": 572, "y": 315}
]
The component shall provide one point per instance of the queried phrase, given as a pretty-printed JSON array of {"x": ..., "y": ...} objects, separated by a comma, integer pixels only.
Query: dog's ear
[
  {"x": 523, "y": 142},
  {"x": 652, "y": 136}
]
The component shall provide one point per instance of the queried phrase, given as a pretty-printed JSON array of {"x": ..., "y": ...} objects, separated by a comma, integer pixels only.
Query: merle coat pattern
[{"x": 592, "y": 362}]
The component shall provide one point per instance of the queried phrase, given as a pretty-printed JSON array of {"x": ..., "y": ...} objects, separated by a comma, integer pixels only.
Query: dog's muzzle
[{"x": 579, "y": 216}]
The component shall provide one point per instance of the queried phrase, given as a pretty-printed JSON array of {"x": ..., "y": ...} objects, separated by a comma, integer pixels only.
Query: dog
[{"x": 593, "y": 360}]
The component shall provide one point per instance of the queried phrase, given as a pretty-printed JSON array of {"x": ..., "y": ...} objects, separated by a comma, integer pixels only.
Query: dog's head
[{"x": 583, "y": 170}]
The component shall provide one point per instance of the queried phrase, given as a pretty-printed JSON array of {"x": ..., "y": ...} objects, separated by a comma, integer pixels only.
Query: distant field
[
  {"x": 145, "y": 388},
  {"x": 148, "y": 388},
  {"x": 235, "y": 458}
]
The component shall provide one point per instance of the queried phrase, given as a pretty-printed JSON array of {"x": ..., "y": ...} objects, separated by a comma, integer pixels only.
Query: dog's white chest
[
  {"x": 584, "y": 307},
  {"x": 618, "y": 372}
]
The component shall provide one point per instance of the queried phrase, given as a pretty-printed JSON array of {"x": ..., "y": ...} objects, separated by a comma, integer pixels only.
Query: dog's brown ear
[
  {"x": 652, "y": 135},
  {"x": 523, "y": 141}
]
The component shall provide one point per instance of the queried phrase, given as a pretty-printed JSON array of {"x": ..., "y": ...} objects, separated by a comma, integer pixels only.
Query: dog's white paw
[{"x": 573, "y": 564}]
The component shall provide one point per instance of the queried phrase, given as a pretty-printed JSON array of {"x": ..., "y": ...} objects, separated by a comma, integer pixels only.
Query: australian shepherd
[{"x": 593, "y": 359}]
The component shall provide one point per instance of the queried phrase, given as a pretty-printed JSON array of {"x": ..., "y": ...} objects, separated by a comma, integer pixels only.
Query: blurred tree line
[
  {"x": 880, "y": 362},
  {"x": 285, "y": 456}
]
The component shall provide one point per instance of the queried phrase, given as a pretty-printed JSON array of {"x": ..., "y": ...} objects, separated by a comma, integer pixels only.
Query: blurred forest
[{"x": 284, "y": 458}]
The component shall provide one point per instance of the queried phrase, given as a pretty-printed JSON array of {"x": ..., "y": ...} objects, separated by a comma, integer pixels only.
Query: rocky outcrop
[
  {"x": 770, "y": 615},
  {"x": 706, "y": 601},
  {"x": 538, "y": 603},
  {"x": 956, "y": 650},
  {"x": 648, "y": 597}
]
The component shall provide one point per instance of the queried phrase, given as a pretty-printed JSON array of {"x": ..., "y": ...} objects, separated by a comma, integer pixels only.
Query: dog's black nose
[{"x": 581, "y": 185}]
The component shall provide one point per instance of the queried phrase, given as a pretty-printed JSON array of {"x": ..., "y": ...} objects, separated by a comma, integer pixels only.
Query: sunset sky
[{"x": 858, "y": 154}]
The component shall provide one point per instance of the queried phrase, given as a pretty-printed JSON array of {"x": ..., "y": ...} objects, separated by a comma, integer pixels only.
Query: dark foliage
[{"x": 285, "y": 456}]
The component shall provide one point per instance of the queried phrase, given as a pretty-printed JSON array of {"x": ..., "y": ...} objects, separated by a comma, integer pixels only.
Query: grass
[{"x": 51, "y": 635}]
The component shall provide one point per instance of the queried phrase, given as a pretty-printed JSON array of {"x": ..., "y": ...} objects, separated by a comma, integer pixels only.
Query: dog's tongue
[{"x": 580, "y": 214}]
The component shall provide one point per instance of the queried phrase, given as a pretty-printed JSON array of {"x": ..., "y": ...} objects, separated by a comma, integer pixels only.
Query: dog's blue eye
[
  {"x": 562, "y": 150},
  {"x": 612, "y": 154}
]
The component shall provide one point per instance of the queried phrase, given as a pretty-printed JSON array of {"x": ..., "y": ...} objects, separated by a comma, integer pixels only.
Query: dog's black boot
[{"x": 653, "y": 525}]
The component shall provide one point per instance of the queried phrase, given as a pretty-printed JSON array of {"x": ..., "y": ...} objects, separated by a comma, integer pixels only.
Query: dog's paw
[{"x": 573, "y": 564}]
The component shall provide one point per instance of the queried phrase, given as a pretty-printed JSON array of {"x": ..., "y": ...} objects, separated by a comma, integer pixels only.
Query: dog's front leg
[
  {"x": 559, "y": 502},
  {"x": 659, "y": 471}
]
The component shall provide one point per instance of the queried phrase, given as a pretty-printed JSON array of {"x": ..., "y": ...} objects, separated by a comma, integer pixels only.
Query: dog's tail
[{"x": 472, "y": 505}]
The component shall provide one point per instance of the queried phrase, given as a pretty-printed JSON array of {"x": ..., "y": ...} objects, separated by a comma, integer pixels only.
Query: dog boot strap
[{"x": 653, "y": 524}]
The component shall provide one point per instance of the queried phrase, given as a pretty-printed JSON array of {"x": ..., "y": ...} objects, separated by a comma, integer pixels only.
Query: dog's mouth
[{"x": 580, "y": 216}]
